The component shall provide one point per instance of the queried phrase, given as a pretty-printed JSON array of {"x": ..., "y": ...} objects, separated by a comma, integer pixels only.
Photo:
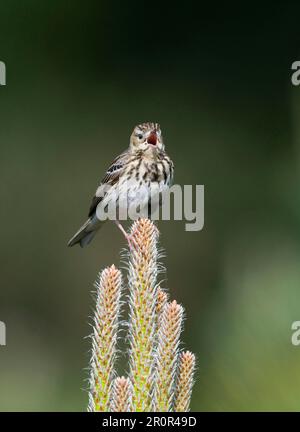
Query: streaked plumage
[{"x": 143, "y": 165}]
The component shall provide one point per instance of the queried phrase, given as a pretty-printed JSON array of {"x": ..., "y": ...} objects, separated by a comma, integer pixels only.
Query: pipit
[{"x": 136, "y": 179}]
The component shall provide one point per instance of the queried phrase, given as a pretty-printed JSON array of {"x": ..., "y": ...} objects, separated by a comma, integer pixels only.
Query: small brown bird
[{"x": 143, "y": 169}]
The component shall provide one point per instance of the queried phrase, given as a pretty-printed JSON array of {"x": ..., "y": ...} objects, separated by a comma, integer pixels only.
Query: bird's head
[{"x": 147, "y": 136}]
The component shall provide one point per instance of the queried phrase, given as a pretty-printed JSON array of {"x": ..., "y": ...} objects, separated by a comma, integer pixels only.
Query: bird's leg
[{"x": 129, "y": 237}]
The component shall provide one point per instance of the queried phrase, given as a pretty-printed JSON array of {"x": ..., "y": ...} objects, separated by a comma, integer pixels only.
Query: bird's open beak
[{"x": 152, "y": 138}]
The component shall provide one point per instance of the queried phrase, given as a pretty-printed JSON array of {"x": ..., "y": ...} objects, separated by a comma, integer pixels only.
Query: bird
[{"x": 142, "y": 168}]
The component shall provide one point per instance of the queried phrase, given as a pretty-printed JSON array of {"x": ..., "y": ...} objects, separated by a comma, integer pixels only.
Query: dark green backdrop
[{"x": 80, "y": 75}]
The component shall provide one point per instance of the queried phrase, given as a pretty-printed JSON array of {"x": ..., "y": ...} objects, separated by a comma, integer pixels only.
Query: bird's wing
[{"x": 111, "y": 177}]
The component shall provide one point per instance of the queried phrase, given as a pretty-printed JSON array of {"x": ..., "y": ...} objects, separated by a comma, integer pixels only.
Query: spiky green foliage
[
  {"x": 121, "y": 397},
  {"x": 169, "y": 329},
  {"x": 142, "y": 316},
  {"x": 184, "y": 382},
  {"x": 104, "y": 338},
  {"x": 159, "y": 377}
]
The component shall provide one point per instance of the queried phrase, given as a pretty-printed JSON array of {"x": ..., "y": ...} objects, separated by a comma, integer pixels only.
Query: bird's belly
[{"x": 139, "y": 195}]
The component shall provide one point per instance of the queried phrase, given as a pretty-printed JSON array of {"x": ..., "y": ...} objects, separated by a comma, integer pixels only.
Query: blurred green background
[{"x": 80, "y": 75}]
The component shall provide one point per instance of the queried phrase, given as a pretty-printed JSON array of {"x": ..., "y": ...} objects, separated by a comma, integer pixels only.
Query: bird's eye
[{"x": 140, "y": 136}]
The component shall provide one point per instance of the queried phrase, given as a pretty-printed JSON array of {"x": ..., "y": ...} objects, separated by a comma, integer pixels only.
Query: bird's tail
[{"x": 86, "y": 233}]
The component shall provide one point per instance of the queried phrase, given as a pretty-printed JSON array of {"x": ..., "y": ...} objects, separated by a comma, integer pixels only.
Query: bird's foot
[{"x": 131, "y": 242}]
